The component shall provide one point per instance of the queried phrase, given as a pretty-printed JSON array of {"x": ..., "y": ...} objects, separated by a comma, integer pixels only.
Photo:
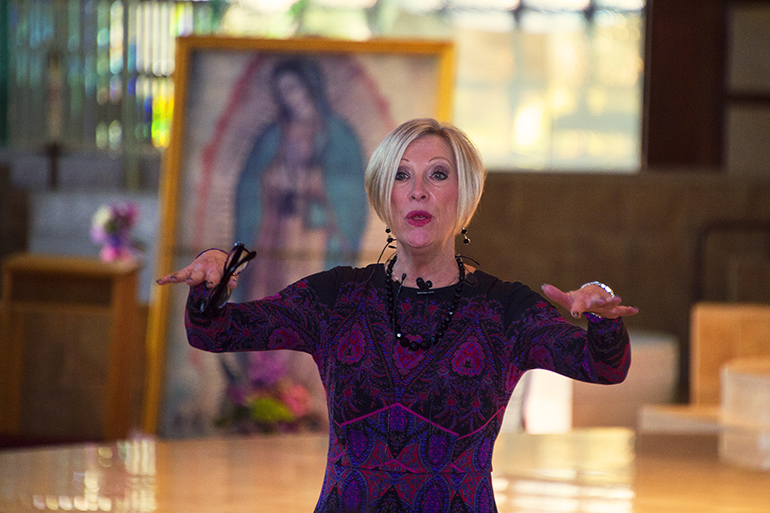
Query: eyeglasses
[{"x": 237, "y": 260}]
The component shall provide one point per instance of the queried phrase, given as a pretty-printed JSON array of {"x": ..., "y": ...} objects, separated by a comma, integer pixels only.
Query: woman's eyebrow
[{"x": 404, "y": 159}]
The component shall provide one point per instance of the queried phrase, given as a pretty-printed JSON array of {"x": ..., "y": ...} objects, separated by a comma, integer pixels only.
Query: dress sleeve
[
  {"x": 543, "y": 339},
  {"x": 291, "y": 319}
]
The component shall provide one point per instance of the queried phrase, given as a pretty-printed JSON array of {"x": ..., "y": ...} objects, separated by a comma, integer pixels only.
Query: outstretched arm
[
  {"x": 599, "y": 355},
  {"x": 545, "y": 340}
]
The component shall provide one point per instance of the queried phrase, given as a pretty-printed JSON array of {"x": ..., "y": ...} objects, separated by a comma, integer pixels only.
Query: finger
[
  {"x": 177, "y": 277},
  {"x": 212, "y": 276},
  {"x": 557, "y": 296},
  {"x": 626, "y": 311},
  {"x": 616, "y": 311},
  {"x": 195, "y": 273},
  {"x": 602, "y": 302},
  {"x": 165, "y": 280},
  {"x": 579, "y": 306},
  {"x": 196, "y": 277}
]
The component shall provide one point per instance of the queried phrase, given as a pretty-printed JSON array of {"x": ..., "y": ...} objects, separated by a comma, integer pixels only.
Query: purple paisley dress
[{"x": 414, "y": 431}]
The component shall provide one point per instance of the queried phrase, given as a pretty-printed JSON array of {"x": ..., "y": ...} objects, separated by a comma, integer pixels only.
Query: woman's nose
[{"x": 418, "y": 192}]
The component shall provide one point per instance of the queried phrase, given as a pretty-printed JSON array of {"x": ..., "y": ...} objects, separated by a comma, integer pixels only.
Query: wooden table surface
[{"x": 598, "y": 470}]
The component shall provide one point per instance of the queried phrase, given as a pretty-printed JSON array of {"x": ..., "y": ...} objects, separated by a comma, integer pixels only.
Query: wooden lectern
[{"x": 70, "y": 348}]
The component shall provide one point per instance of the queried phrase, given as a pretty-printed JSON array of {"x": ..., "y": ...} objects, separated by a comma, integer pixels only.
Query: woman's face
[
  {"x": 294, "y": 96},
  {"x": 424, "y": 197}
]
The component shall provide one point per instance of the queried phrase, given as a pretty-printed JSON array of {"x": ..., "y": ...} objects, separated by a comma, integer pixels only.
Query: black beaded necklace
[{"x": 445, "y": 320}]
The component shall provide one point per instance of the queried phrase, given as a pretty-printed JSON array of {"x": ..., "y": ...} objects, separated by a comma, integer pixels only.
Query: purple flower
[{"x": 111, "y": 228}]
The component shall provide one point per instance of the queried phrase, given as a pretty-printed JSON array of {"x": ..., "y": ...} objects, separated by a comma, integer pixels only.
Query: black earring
[
  {"x": 464, "y": 232},
  {"x": 387, "y": 244}
]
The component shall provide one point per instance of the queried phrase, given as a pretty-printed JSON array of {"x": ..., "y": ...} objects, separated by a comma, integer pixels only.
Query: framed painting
[{"x": 269, "y": 144}]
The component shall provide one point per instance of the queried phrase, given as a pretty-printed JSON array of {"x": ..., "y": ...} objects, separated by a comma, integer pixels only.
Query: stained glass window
[
  {"x": 97, "y": 73},
  {"x": 541, "y": 84}
]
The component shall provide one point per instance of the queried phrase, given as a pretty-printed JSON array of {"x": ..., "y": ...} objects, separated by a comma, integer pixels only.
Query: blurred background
[{"x": 626, "y": 142}]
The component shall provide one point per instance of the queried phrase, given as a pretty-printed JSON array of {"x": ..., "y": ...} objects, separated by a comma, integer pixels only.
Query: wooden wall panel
[{"x": 684, "y": 77}]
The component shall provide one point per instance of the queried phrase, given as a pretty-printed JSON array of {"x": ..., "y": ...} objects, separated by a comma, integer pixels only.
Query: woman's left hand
[{"x": 590, "y": 298}]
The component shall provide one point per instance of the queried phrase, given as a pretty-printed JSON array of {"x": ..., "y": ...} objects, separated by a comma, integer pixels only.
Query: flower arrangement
[
  {"x": 111, "y": 227},
  {"x": 266, "y": 400}
]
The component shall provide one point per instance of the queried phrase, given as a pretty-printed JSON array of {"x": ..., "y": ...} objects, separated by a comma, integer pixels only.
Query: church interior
[{"x": 625, "y": 141}]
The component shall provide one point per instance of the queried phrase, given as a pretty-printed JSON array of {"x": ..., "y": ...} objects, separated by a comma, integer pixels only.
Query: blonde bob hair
[{"x": 386, "y": 158}]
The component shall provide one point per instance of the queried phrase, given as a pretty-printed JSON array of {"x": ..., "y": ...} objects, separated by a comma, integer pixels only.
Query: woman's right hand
[{"x": 206, "y": 268}]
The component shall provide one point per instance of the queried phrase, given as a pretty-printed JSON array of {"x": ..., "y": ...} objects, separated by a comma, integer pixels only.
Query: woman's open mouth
[{"x": 418, "y": 218}]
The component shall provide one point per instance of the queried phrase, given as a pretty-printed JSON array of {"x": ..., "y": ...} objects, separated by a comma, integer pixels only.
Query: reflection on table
[{"x": 599, "y": 470}]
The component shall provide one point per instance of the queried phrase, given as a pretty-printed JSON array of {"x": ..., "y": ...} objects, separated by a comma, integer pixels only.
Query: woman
[{"x": 419, "y": 356}]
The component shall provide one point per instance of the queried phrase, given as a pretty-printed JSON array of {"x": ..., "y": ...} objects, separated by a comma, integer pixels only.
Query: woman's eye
[
  {"x": 401, "y": 176},
  {"x": 440, "y": 174}
]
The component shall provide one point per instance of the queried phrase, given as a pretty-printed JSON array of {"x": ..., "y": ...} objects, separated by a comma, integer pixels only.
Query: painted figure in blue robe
[
  {"x": 301, "y": 204},
  {"x": 300, "y": 198}
]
